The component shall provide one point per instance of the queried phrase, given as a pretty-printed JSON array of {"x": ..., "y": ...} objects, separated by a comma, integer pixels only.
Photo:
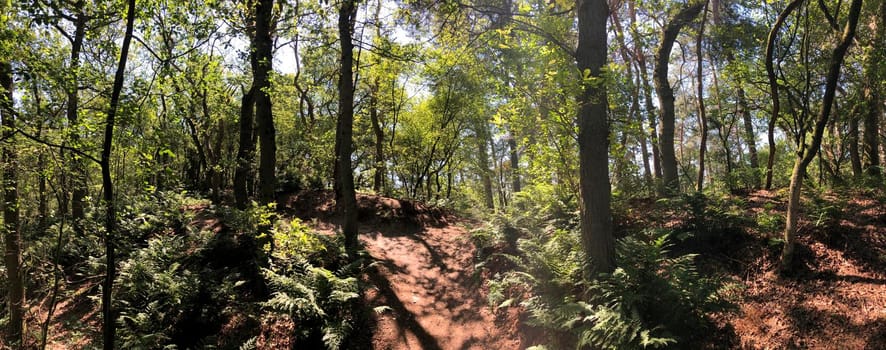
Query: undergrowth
[{"x": 654, "y": 299}]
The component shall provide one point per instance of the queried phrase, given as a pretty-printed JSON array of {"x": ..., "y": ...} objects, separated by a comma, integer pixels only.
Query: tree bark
[
  {"x": 593, "y": 139},
  {"x": 108, "y": 314},
  {"x": 807, "y": 154},
  {"x": 15, "y": 294},
  {"x": 246, "y": 151},
  {"x": 666, "y": 93},
  {"x": 262, "y": 45},
  {"x": 346, "y": 197}
]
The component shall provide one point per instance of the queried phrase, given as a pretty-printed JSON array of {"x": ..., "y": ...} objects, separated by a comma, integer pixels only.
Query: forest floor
[
  {"x": 834, "y": 299},
  {"x": 423, "y": 279}
]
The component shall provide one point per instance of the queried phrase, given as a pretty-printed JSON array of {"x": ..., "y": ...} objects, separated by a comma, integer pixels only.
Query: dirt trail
[{"x": 425, "y": 275}]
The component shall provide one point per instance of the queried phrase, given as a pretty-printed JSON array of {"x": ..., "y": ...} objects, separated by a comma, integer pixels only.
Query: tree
[
  {"x": 702, "y": 113},
  {"x": 873, "y": 95},
  {"x": 773, "y": 84},
  {"x": 666, "y": 93},
  {"x": 108, "y": 315},
  {"x": 15, "y": 294},
  {"x": 807, "y": 153},
  {"x": 262, "y": 45},
  {"x": 593, "y": 137},
  {"x": 345, "y": 195}
]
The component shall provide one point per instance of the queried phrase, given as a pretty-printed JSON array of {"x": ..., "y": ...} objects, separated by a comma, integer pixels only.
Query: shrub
[
  {"x": 650, "y": 300},
  {"x": 312, "y": 284}
]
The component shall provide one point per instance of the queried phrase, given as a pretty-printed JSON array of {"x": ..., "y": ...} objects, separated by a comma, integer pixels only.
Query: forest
[{"x": 443, "y": 174}]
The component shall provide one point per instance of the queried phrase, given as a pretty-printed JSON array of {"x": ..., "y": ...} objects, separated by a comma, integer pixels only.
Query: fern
[{"x": 652, "y": 300}]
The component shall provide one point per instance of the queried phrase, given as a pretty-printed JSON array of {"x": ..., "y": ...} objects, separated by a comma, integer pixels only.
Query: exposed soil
[
  {"x": 422, "y": 280},
  {"x": 835, "y": 298}
]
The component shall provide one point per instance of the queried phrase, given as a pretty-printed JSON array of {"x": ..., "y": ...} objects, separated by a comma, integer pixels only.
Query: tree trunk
[
  {"x": 773, "y": 84},
  {"x": 379, "y": 174},
  {"x": 246, "y": 152},
  {"x": 702, "y": 113},
  {"x": 807, "y": 154},
  {"x": 483, "y": 160},
  {"x": 634, "y": 110},
  {"x": 263, "y": 44},
  {"x": 874, "y": 97},
  {"x": 750, "y": 136},
  {"x": 854, "y": 154},
  {"x": 78, "y": 171},
  {"x": 666, "y": 93},
  {"x": 346, "y": 198},
  {"x": 109, "y": 316},
  {"x": 647, "y": 98},
  {"x": 15, "y": 294},
  {"x": 593, "y": 140},
  {"x": 515, "y": 163}
]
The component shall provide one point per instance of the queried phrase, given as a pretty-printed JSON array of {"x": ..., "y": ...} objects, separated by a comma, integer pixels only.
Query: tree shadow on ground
[{"x": 405, "y": 319}]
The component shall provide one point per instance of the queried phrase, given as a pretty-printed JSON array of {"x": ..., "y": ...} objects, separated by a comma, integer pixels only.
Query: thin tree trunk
[
  {"x": 806, "y": 155},
  {"x": 379, "y": 175},
  {"x": 483, "y": 160},
  {"x": 634, "y": 110},
  {"x": 515, "y": 163},
  {"x": 773, "y": 84},
  {"x": 15, "y": 293},
  {"x": 346, "y": 200},
  {"x": 702, "y": 113},
  {"x": 647, "y": 98},
  {"x": 593, "y": 140},
  {"x": 854, "y": 154},
  {"x": 872, "y": 133},
  {"x": 666, "y": 93},
  {"x": 78, "y": 171},
  {"x": 750, "y": 136},
  {"x": 109, "y": 316}
]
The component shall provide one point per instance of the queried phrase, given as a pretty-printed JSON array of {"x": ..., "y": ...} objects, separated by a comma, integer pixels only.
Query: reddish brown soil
[
  {"x": 422, "y": 277},
  {"x": 426, "y": 278},
  {"x": 836, "y": 298}
]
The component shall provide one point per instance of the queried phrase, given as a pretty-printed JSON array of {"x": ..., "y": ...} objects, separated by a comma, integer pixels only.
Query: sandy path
[{"x": 426, "y": 277}]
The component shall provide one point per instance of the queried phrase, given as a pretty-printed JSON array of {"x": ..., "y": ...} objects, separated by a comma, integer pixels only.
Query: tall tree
[
  {"x": 593, "y": 137},
  {"x": 807, "y": 153},
  {"x": 263, "y": 45},
  {"x": 346, "y": 197},
  {"x": 873, "y": 94},
  {"x": 78, "y": 173},
  {"x": 15, "y": 294},
  {"x": 108, "y": 315},
  {"x": 666, "y": 93},
  {"x": 702, "y": 113}
]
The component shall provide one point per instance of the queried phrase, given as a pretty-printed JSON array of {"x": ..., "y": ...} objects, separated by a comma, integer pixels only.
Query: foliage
[
  {"x": 650, "y": 300},
  {"x": 320, "y": 301}
]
